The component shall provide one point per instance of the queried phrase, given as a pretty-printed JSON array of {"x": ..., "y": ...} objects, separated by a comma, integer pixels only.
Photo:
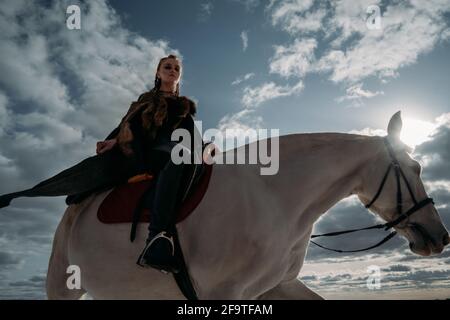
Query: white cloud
[
  {"x": 253, "y": 97},
  {"x": 443, "y": 120},
  {"x": 48, "y": 130},
  {"x": 400, "y": 278},
  {"x": 294, "y": 19},
  {"x": 310, "y": 22},
  {"x": 350, "y": 51},
  {"x": 5, "y": 119},
  {"x": 438, "y": 185},
  {"x": 287, "y": 10},
  {"x": 241, "y": 125},
  {"x": 242, "y": 120},
  {"x": 242, "y": 78},
  {"x": 369, "y": 132},
  {"x": 28, "y": 73},
  {"x": 348, "y": 18},
  {"x": 206, "y": 9},
  {"x": 407, "y": 32},
  {"x": 356, "y": 91},
  {"x": 244, "y": 37},
  {"x": 295, "y": 59},
  {"x": 356, "y": 94}
]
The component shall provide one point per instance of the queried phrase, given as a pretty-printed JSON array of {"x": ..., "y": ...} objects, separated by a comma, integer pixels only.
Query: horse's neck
[{"x": 318, "y": 170}]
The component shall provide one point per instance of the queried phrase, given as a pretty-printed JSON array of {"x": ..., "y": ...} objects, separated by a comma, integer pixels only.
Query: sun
[{"x": 415, "y": 132}]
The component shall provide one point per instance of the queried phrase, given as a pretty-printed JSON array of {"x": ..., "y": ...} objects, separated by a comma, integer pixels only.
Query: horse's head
[{"x": 423, "y": 228}]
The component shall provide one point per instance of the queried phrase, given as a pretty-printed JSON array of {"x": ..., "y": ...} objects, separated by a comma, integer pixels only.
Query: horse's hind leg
[
  {"x": 290, "y": 290},
  {"x": 57, "y": 268}
]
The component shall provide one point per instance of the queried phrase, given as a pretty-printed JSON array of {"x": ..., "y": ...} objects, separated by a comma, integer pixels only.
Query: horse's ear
[
  {"x": 395, "y": 126},
  {"x": 394, "y": 130}
]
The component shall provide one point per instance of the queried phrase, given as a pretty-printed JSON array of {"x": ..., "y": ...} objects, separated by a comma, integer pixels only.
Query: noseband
[{"x": 401, "y": 215}]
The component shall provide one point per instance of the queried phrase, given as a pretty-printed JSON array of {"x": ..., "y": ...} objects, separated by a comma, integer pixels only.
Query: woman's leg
[
  {"x": 100, "y": 171},
  {"x": 158, "y": 252}
]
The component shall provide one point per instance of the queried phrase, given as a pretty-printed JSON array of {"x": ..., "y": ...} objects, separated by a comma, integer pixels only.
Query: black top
[
  {"x": 175, "y": 113},
  {"x": 143, "y": 148}
]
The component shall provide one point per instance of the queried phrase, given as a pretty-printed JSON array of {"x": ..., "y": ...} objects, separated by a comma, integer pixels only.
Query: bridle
[{"x": 401, "y": 215}]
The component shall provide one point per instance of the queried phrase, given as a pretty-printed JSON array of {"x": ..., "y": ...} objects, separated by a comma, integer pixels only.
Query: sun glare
[{"x": 415, "y": 132}]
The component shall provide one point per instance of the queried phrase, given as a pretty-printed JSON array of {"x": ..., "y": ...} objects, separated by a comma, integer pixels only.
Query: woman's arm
[
  {"x": 110, "y": 141},
  {"x": 132, "y": 107},
  {"x": 103, "y": 146}
]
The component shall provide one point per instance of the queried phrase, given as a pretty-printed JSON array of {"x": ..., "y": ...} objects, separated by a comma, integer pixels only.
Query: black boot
[{"x": 159, "y": 251}]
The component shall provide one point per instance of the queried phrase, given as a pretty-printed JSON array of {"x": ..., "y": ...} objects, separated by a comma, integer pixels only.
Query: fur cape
[
  {"x": 110, "y": 168},
  {"x": 153, "y": 109}
]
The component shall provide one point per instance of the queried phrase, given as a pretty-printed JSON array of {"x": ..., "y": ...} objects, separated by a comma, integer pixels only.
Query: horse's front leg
[{"x": 290, "y": 290}]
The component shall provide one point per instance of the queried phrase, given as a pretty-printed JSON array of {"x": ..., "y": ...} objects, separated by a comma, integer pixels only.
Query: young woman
[{"x": 139, "y": 145}]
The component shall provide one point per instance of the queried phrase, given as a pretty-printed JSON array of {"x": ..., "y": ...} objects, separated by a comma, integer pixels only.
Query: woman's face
[{"x": 170, "y": 71}]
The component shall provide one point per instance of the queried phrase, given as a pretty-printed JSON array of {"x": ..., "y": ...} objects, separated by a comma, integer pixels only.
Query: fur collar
[{"x": 152, "y": 108}]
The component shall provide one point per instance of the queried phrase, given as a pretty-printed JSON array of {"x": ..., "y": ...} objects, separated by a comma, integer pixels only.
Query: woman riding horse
[{"x": 140, "y": 145}]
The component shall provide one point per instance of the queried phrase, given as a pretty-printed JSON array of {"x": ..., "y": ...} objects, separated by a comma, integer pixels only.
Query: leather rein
[{"x": 401, "y": 215}]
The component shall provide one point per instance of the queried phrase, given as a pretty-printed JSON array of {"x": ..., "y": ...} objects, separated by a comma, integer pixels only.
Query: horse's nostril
[{"x": 446, "y": 239}]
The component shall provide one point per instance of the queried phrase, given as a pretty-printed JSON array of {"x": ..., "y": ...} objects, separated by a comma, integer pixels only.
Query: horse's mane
[{"x": 319, "y": 140}]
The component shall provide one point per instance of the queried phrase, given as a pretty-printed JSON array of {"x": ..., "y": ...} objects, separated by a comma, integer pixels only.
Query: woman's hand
[{"x": 103, "y": 146}]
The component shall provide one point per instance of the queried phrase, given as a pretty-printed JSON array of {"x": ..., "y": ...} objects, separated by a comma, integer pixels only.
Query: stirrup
[
  {"x": 143, "y": 263},
  {"x": 162, "y": 234}
]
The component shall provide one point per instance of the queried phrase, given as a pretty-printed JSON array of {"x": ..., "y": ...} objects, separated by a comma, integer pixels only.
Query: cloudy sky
[{"x": 299, "y": 66}]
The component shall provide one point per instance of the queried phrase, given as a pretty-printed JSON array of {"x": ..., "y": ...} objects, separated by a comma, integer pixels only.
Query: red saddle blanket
[{"x": 119, "y": 205}]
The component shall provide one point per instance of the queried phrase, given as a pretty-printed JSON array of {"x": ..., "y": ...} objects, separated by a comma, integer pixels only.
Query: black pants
[
  {"x": 102, "y": 172},
  {"x": 93, "y": 174},
  {"x": 168, "y": 176},
  {"x": 167, "y": 192}
]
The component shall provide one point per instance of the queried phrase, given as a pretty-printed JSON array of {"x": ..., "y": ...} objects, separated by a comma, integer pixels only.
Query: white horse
[{"x": 248, "y": 237}]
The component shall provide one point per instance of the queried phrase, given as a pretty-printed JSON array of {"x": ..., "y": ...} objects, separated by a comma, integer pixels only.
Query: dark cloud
[
  {"x": 309, "y": 278},
  {"x": 346, "y": 216},
  {"x": 397, "y": 268},
  {"x": 8, "y": 259},
  {"x": 408, "y": 256},
  {"x": 438, "y": 150},
  {"x": 420, "y": 278},
  {"x": 440, "y": 196},
  {"x": 30, "y": 289},
  {"x": 392, "y": 278},
  {"x": 400, "y": 271},
  {"x": 35, "y": 281},
  {"x": 31, "y": 220}
]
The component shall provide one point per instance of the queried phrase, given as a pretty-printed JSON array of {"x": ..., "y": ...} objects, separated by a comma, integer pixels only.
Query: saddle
[{"x": 127, "y": 203}]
